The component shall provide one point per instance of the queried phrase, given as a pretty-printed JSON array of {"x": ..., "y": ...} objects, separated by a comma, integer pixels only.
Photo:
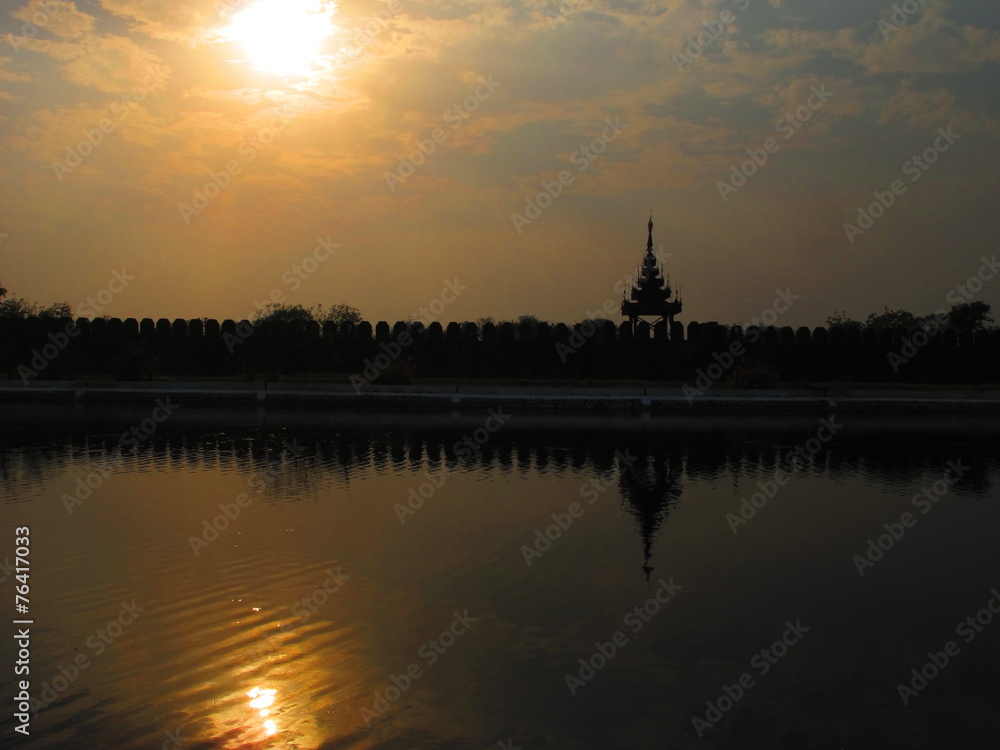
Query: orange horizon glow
[{"x": 456, "y": 140}]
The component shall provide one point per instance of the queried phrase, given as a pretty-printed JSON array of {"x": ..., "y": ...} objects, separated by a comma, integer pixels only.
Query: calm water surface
[{"x": 371, "y": 585}]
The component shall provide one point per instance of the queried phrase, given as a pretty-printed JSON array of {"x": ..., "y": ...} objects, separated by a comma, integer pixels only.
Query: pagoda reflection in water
[
  {"x": 650, "y": 486},
  {"x": 651, "y": 469}
]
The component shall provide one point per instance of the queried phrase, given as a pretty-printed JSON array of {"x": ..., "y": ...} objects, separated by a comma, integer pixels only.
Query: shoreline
[{"x": 586, "y": 399}]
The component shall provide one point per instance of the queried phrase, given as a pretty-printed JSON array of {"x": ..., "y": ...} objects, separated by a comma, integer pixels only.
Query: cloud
[
  {"x": 928, "y": 109},
  {"x": 113, "y": 64},
  {"x": 930, "y": 43},
  {"x": 9, "y": 75},
  {"x": 59, "y": 18},
  {"x": 189, "y": 22},
  {"x": 926, "y": 43},
  {"x": 182, "y": 21},
  {"x": 565, "y": 66},
  {"x": 61, "y": 51},
  {"x": 47, "y": 133}
]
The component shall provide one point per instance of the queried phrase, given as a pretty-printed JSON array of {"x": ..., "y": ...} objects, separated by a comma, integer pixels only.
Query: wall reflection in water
[{"x": 256, "y": 642}]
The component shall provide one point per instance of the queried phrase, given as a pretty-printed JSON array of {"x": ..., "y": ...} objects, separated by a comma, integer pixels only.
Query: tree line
[
  {"x": 970, "y": 317},
  {"x": 967, "y": 316}
]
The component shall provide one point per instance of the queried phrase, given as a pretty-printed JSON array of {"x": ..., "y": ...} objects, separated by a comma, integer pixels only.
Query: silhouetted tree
[
  {"x": 286, "y": 313},
  {"x": 970, "y": 316},
  {"x": 56, "y": 310},
  {"x": 17, "y": 307},
  {"x": 891, "y": 319},
  {"x": 300, "y": 314},
  {"x": 840, "y": 320},
  {"x": 20, "y": 307},
  {"x": 338, "y": 314}
]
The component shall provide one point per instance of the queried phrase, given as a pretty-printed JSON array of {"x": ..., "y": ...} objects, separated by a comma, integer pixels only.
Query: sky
[{"x": 197, "y": 158}]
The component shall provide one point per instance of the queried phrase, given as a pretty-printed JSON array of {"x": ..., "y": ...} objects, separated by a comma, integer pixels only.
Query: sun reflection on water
[{"x": 262, "y": 699}]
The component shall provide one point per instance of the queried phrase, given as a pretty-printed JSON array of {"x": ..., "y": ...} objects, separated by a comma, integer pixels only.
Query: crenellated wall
[{"x": 36, "y": 348}]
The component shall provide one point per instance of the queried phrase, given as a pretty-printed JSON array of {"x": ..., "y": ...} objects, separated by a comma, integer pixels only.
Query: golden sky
[{"x": 204, "y": 147}]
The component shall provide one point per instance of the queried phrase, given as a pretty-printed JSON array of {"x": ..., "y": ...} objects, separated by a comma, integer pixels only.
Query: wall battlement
[{"x": 136, "y": 349}]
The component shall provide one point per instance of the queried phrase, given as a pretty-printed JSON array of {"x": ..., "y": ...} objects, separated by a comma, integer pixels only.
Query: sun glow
[
  {"x": 262, "y": 699},
  {"x": 282, "y": 36}
]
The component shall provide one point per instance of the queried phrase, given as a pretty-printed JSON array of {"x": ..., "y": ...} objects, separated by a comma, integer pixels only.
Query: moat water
[{"x": 224, "y": 578}]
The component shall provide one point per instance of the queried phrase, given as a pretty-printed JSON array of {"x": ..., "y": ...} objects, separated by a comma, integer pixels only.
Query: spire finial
[{"x": 649, "y": 242}]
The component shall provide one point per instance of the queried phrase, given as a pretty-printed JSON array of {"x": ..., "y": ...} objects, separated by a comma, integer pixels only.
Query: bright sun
[{"x": 282, "y": 36}]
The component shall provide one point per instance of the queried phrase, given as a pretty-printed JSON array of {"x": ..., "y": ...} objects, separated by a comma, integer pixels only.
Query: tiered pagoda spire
[{"x": 650, "y": 296}]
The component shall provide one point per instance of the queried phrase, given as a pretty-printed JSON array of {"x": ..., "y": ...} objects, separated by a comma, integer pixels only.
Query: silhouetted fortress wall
[{"x": 698, "y": 354}]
